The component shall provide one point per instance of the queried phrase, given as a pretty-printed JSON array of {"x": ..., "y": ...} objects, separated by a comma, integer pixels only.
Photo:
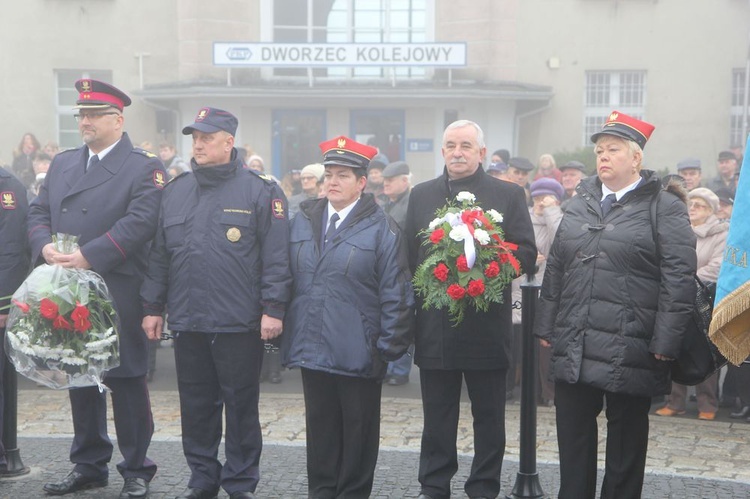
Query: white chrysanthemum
[
  {"x": 495, "y": 216},
  {"x": 14, "y": 342},
  {"x": 98, "y": 344},
  {"x": 73, "y": 361},
  {"x": 457, "y": 234},
  {"x": 100, "y": 356},
  {"x": 482, "y": 236},
  {"x": 435, "y": 223},
  {"x": 465, "y": 196}
]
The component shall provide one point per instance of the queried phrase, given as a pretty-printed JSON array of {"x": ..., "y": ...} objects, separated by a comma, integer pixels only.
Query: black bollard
[
  {"x": 10, "y": 417},
  {"x": 527, "y": 484}
]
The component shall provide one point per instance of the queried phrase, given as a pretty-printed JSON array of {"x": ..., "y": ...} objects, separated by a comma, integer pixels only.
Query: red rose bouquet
[
  {"x": 468, "y": 262},
  {"x": 62, "y": 326}
]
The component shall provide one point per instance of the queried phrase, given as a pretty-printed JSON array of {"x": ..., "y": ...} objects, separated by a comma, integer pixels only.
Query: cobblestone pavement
[{"x": 687, "y": 458}]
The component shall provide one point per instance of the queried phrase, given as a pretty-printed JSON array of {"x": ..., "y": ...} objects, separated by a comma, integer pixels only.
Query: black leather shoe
[
  {"x": 73, "y": 483},
  {"x": 134, "y": 487},
  {"x": 241, "y": 495},
  {"x": 191, "y": 493},
  {"x": 742, "y": 413},
  {"x": 398, "y": 380}
]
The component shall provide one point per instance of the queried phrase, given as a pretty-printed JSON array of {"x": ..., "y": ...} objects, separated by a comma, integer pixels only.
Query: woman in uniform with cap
[
  {"x": 351, "y": 313},
  {"x": 613, "y": 306}
]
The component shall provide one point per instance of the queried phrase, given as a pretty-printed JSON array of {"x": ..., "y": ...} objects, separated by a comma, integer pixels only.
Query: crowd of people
[{"x": 325, "y": 256}]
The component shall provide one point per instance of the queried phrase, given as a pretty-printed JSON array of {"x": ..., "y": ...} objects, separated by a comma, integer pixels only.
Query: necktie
[
  {"x": 331, "y": 228},
  {"x": 93, "y": 161},
  {"x": 607, "y": 204}
]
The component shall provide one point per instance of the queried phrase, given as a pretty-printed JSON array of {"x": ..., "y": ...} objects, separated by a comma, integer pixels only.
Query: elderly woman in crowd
[
  {"x": 613, "y": 308},
  {"x": 712, "y": 238},
  {"x": 546, "y": 215}
]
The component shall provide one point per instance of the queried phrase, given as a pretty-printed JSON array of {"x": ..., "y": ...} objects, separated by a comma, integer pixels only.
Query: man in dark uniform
[
  {"x": 107, "y": 192},
  {"x": 220, "y": 265},
  {"x": 14, "y": 264},
  {"x": 474, "y": 351}
]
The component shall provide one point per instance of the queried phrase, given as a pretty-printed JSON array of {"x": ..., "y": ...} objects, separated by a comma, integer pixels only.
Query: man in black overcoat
[
  {"x": 475, "y": 350},
  {"x": 107, "y": 192}
]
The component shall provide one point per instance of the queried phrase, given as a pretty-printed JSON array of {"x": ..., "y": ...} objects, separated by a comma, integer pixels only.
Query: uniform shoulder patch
[
  {"x": 8, "y": 200},
  {"x": 160, "y": 179},
  {"x": 278, "y": 208},
  {"x": 144, "y": 152}
]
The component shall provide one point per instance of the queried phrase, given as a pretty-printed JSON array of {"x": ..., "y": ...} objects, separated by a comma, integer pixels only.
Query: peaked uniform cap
[
  {"x": 343, "y": 151},
  {"x": 626, "y": 127},
  {"x": 95, "y": 94}
]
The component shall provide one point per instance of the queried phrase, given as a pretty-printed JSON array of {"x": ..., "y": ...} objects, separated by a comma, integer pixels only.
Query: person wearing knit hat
[
  {"x": 311, "y": 178},
  {"x": 546, "y": 214},
  {"x": 710, "y": 199},
  {"x": 711, "y": 235},
  {"x": 546, "y": 186}
]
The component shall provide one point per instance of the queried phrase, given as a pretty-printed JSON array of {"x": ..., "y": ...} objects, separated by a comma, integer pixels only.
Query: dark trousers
[
  {"x": 3, "y": 361},
  {"x": 134, "y": 425},
  {"x": 438, "y": 460},
  {"x": 217, "y": 372},
  {"x": 577, "y": 407},
  {"x": 342, "y": 414}
]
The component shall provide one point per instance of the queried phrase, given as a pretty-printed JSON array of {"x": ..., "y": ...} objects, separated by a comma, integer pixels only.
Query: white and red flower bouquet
[
  {"x": 62, "y": 328},
  {"x": 468, "y": 262}
]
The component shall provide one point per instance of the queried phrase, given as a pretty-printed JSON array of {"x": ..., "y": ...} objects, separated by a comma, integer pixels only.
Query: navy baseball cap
[{"x": 211, "y": 120}]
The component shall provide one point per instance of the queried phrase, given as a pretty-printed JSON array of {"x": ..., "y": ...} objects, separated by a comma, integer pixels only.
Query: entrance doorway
[
  {"x": 295, "y": 138},
  {"x": 381, "y": 128}
]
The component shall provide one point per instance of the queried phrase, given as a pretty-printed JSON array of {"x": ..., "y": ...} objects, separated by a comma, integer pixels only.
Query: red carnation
[
  {"x": 492, "y": 270},
  {"x": 23, "y": 307},
  {"x": 48, "y": 309},
  {"x": 61, "y": 323},
  {"x": 437, "y": 236},
  {"x": 462, "y": 264},
  {"x": 80, "y": 316},
  {"x": 476, "y": 287},
  {"x": 441, "y": 272},
  {"x": 455, "y": 291}
]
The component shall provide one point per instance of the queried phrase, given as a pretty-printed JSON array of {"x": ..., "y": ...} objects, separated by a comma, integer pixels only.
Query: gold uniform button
[{"x": 234, "y": 234}]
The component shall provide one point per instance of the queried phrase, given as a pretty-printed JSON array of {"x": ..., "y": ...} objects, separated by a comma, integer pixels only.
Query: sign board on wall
[
  {"x": 339, "y": 54},
  {"x": 418, "y": 145}
]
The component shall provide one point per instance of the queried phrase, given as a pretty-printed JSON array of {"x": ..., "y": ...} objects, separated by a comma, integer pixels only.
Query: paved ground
[{"x": 687, "y": 458}]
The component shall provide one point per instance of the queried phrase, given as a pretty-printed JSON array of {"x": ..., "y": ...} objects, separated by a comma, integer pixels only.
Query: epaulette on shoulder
[
  {"x": 144, "y": 152},
  {"x": 266, "y": 177}
]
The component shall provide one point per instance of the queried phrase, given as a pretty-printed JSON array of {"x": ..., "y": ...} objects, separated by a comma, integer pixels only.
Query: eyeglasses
[
  {"x": 92, "y": 116},
  {"x": 696, "y": 204}
]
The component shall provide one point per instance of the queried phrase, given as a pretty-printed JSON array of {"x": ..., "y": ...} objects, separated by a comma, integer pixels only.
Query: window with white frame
[
  {"x": 66, "y": 93},
  {"x": 609, "y": 90},
  {"x": 736, "y": 113},
  {"x": 351, "y": 21}
]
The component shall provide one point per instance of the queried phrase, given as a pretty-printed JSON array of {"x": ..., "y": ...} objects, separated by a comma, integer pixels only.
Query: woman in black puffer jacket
[{"x": 613, "y": 308}]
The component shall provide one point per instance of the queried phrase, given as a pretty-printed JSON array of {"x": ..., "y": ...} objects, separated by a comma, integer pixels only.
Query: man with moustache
[
  {"x": 107, "y": 193},
  {"x": 473, "y": 351}
]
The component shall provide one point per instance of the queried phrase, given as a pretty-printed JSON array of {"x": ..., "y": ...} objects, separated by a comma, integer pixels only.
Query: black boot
[{"x": 273, "y": 358}]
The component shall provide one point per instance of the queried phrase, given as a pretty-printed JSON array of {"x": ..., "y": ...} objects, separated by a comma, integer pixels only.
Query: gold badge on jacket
[
  {"x": 234, "y": 234},
  {"x": 8, "y": 200}
]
